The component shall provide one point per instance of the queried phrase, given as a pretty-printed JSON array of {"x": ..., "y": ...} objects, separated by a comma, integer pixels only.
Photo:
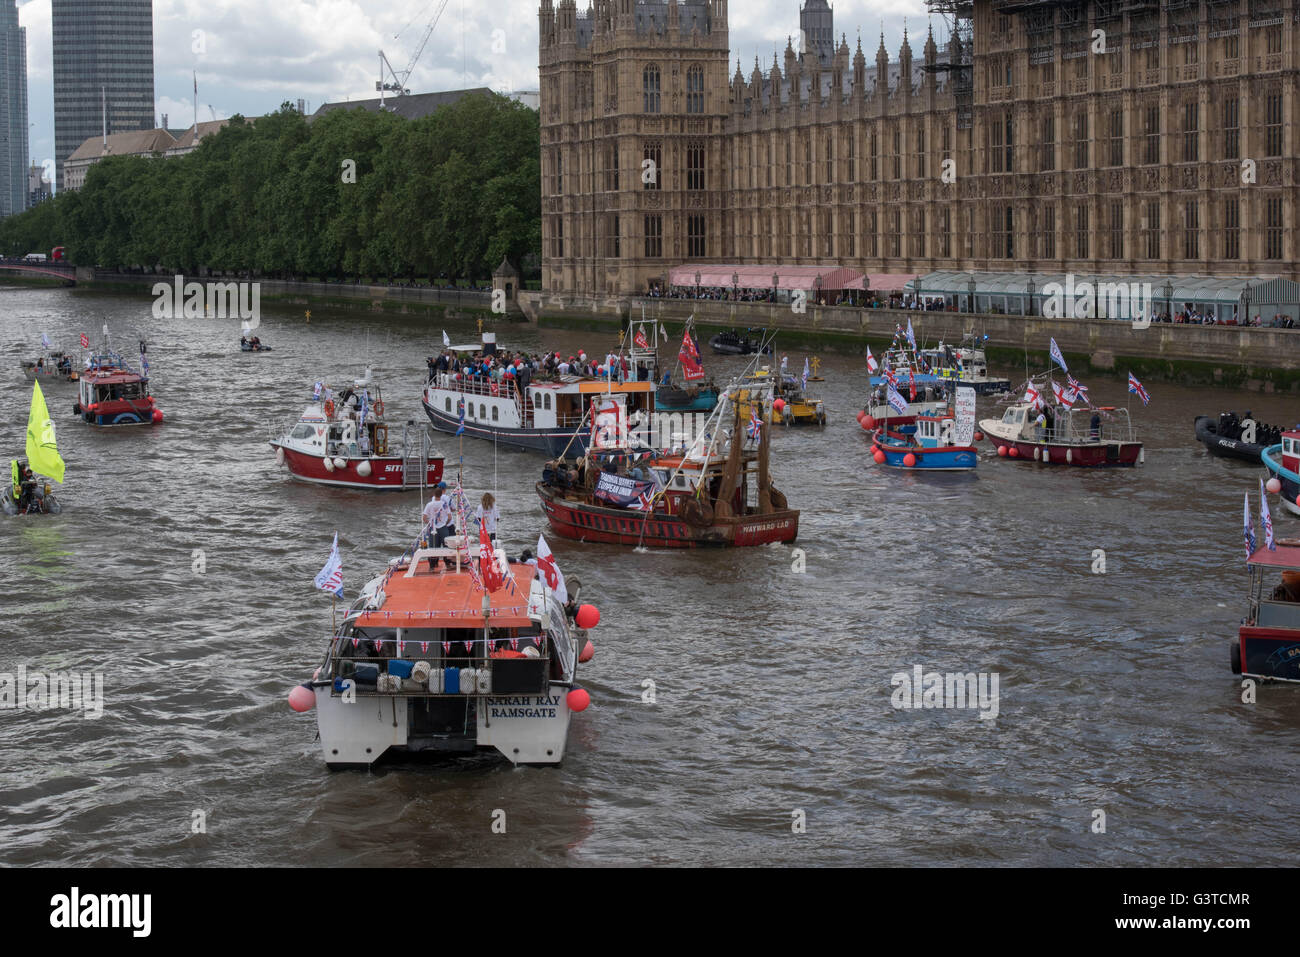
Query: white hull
[{"x": 525, "y": 729}]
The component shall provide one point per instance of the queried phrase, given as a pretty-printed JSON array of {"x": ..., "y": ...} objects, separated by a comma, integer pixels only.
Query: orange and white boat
[{"x": 430, "y": 661}]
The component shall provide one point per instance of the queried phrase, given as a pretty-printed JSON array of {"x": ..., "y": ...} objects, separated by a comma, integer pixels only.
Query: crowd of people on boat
[{"x": 506, "y": 368}]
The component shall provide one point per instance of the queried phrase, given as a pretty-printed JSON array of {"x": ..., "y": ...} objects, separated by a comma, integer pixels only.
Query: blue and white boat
[{"x": 932, "y": 447}]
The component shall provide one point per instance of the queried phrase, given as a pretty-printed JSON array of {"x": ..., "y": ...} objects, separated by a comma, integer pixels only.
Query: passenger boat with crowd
[
  {"x": 436, "y": 661},
  {"x": 542, "y": 413},
  {"x": 344, "y": 439}
]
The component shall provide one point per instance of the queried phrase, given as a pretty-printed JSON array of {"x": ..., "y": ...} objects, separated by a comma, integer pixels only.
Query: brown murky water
[{"x": 773, "y": 687}]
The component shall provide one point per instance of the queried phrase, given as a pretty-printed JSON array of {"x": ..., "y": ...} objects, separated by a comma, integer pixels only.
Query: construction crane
[{"x": 398, "y": 85}]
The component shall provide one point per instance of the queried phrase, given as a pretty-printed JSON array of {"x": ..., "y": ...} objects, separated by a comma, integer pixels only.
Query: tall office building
[
  {"x": 13, "y": 111},
  {"x": 100, "y": 45}
]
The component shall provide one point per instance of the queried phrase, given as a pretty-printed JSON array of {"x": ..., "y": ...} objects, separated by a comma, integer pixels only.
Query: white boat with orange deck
[{"x": 429, "y": 661}]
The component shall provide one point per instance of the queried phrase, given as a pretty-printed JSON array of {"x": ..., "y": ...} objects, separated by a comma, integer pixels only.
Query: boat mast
[{"x": 764, "y": 481}]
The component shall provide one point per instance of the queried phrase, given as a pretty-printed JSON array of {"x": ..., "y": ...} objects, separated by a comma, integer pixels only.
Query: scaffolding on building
[{"x": 960, "y": 18}]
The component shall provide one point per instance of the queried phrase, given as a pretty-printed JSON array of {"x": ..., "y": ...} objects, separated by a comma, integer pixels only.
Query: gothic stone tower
[{"x": 634, "y": 99}]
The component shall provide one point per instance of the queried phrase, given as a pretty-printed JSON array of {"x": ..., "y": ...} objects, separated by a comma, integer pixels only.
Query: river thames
[{"x": 181, "y": 569}]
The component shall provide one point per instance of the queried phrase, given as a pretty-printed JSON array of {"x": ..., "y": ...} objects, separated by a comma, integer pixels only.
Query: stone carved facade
[{"x": 1166, "y": 143}]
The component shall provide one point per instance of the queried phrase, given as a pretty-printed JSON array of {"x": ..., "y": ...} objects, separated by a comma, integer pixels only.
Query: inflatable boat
[
  {"x": 1226, "y": 436},
  {"x": 44, "y": 503}
]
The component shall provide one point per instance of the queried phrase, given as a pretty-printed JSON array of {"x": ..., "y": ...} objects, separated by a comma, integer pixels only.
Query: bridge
[{"x": 68, "y": 272}]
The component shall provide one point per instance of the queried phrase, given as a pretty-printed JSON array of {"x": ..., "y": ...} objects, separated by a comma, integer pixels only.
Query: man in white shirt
[{"x": 438, "y": 516}]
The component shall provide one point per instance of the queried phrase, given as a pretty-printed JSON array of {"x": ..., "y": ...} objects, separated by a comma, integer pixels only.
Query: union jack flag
[
  {"x": 1077, "y": 387},
  {"x": 755, "y": 423},
  {"x": 646, "y": 502},
  {"x": 1135, "y": 387}
]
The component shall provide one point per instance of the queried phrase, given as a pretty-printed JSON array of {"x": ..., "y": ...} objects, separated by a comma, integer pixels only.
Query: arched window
[
  {"x": 695, "y": 90},
  {"x": 495, "y": 414},
  {"x": 650, "y": 89},
  {"x": 546, "y": 402},
  {"x": 482, "y": 412},
  {"x": 448, "y": 403}
]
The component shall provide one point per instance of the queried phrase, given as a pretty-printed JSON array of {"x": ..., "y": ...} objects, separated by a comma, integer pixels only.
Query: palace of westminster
[{"x": 1096, "y": 137}]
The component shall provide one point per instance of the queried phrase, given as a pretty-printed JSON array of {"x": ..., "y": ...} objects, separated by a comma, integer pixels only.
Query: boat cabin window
[
  {"x": 496, "y": 413},
  {"x": 126, "y": 390},
  {"x": 1013, "y": 416},
  {"x": 546, "y": 402},
  {"x": 482, "y": 411},
  {"x": 1288, "y": 446},
  {"x": 448, "y": 403},
  {"x": 303, "y": 431}
]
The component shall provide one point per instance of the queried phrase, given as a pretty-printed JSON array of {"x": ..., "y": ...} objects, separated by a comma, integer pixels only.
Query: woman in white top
[{"x": 487, "y": 515}]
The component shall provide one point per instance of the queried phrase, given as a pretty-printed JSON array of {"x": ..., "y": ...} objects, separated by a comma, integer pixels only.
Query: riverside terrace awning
[
  {"x": 884, "y": 282},
  {"x": 760, "y": 277},
  {"x": 1023, "y": 293}
]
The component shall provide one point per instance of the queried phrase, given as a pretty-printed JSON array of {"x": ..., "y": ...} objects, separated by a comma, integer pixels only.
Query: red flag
[
  {"x": 641, "y": 340},
  {"x": 85, "y": 341},
  {"x": 487, "y": 562},
  {"x": 690, "y": 359},
  {"x": 911, "y": 384}
]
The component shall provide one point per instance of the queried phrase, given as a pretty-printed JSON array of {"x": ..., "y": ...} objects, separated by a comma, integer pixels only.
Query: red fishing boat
[
  {"x": 716, "y": 494},
  {"x": 345, "y": 440}
]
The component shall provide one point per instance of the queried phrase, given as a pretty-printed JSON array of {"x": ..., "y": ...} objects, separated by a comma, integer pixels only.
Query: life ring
[
  {"x": 379, "y": 408},
  {"x": 329, "y": 408}
]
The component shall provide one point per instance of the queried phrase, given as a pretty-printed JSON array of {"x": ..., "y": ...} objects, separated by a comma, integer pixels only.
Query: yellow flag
[{"x": 42, "y": 452}]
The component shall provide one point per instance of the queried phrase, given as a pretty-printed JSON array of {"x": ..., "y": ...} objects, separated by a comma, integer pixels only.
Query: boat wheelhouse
[
  {"x": 1283, "y": 462},
  {"x": 111, "y": 394},
  {"x": 346, "y": 441},
  {"x": 1087, "y": 437},
  {"x": 1268, "y": 642},
  {"x": 429, "y": 662}
]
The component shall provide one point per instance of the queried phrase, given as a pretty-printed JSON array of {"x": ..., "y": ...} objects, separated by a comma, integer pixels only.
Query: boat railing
[
  {"x": 476, "y": 385},
  {"x": 1077, "y": 428},
  {"x": 345, "y": 657}
]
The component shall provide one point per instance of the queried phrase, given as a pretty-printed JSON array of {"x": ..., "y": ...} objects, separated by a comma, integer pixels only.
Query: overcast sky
[{"x": 258, "y": 54}]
